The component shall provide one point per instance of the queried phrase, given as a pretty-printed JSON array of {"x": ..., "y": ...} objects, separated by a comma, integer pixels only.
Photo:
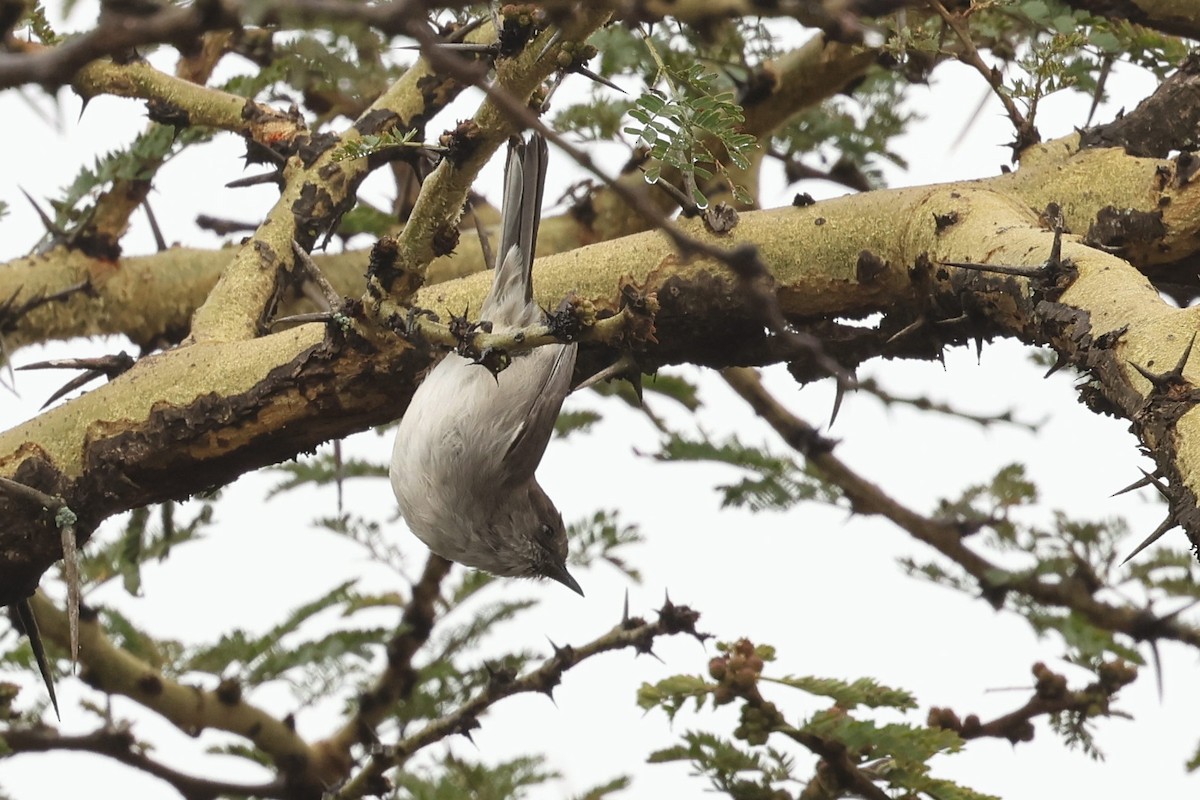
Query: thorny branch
[
  {"x": 631, "y": 632},
  {"x": 398, "y": 679},
  {"x": 1026, "y": 133},
  {"x": 946, "y": 536}
]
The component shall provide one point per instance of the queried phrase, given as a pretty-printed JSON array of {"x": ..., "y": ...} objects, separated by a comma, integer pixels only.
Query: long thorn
[
  {"x": 1146, "y": 480},
  {"x": 1166, "y": 525},
  {"x": 29, "y": 623}
]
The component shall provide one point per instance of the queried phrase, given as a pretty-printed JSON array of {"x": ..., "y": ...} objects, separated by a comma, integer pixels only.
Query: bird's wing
[{"x": 527, "y": 446}]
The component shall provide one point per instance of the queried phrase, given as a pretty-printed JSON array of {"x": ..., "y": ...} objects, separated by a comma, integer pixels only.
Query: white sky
[{"x": 824, "y": 590}]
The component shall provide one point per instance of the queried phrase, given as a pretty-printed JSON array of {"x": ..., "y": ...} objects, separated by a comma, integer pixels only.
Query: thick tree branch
[
  {"x": 399, "y": 678},
  {"x": 115, "y": 671},
  {"x": 266, "y": 399},
  {"x": 318, "y": 189},
  {"x": 1177, "y": 17},
  {"x": 1168, "y": 120},
  {"x": 202, "y": 106}
]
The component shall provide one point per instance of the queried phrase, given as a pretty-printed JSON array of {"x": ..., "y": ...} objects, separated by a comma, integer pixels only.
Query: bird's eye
[{"x": 546, "y": 532}]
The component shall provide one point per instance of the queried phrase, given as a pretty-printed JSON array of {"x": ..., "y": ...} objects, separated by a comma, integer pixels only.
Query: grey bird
[{"x": 468, "y": 445}]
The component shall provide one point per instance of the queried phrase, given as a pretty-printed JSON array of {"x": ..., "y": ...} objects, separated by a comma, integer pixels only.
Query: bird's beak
[{"x": 558, "y": 572}]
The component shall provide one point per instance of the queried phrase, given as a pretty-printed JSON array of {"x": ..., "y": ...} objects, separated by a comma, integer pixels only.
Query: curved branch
[
  {"x": 119, "y": 744},
  {"x": 190, "y": 708},
  {"x": 631, "y": 633},
  {"x": 945, "y": 536}
]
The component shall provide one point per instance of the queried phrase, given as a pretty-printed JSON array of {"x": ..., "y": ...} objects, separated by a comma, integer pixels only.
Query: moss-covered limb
[
  {"x": 432, "y": 229},
  {"x": 871, "y": 253},
  {"x": 190, "y": 708},
  {"x": 116, "y": 32},
  {"x": 146, "y": 297},
  {"x": 1109, "y": 321},
  {"x": 186, "y": 419},
  {"x": 194, "y": 103},
  {"x": 835, "y": 15},
  {"x": 316, "y": 193},
  {"x": 1146, "y": 210},
  {"x": 101, "y": 233},
  {"x": 1176, "y": 17},
  {"x": 151, "y": 298}
]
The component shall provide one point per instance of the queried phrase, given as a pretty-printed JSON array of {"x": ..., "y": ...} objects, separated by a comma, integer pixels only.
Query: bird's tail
[{"x": 511, "y": 297}]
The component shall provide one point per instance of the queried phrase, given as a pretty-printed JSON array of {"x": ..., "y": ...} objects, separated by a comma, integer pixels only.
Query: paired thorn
[
  {"x": 47, "y": 223},
  {"x": 332, "y": 298},
  {"x": 1147, "y": 479},
  {"x": 1059, "y": 362},
  {"x": 623, "y": 367},
  {"x": 65, "y": 520},
  {"x": 1158, "y": 670},
  {"x": 103, "y": 367},
  {"x": 1054, "y": 212},
  {"x": 550, "y": 44},
  {"x": 1166, "y": 525},
  {"x": 160, "y": 241},
  {"x": 1172, "y": 377},
  {"x": 839, "y": 394},
  {"x": 566, "y": 652},
  {"x": 25, "y": 616},
  {"x": 458, "y": 47}
]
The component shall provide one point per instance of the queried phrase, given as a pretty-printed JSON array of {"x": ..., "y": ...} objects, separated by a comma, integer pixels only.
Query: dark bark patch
[
  {"x": 381, "y": 266},
  {"x": 460, "y": 143},
  {"x": 1186, "y": 166},
  {"x": 166, "y": 113},
  {"x": 312, "y": 210},
  {"x": 1116, "y": 229},
  {"x": 381, "y": 119},
  {"x": 150, "y": 685},
  {"x": 445, "y": 239},
  {"x": 869, "y": 267},
  {"x": 708, "y": 308},
  {"x": 943, "y": 221},
  {"x": 760, "y": 86},
  {"x": 312, "y": 148}
]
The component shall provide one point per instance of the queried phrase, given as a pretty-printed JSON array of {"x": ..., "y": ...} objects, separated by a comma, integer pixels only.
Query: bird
[{"x": 470, "y": 441}]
